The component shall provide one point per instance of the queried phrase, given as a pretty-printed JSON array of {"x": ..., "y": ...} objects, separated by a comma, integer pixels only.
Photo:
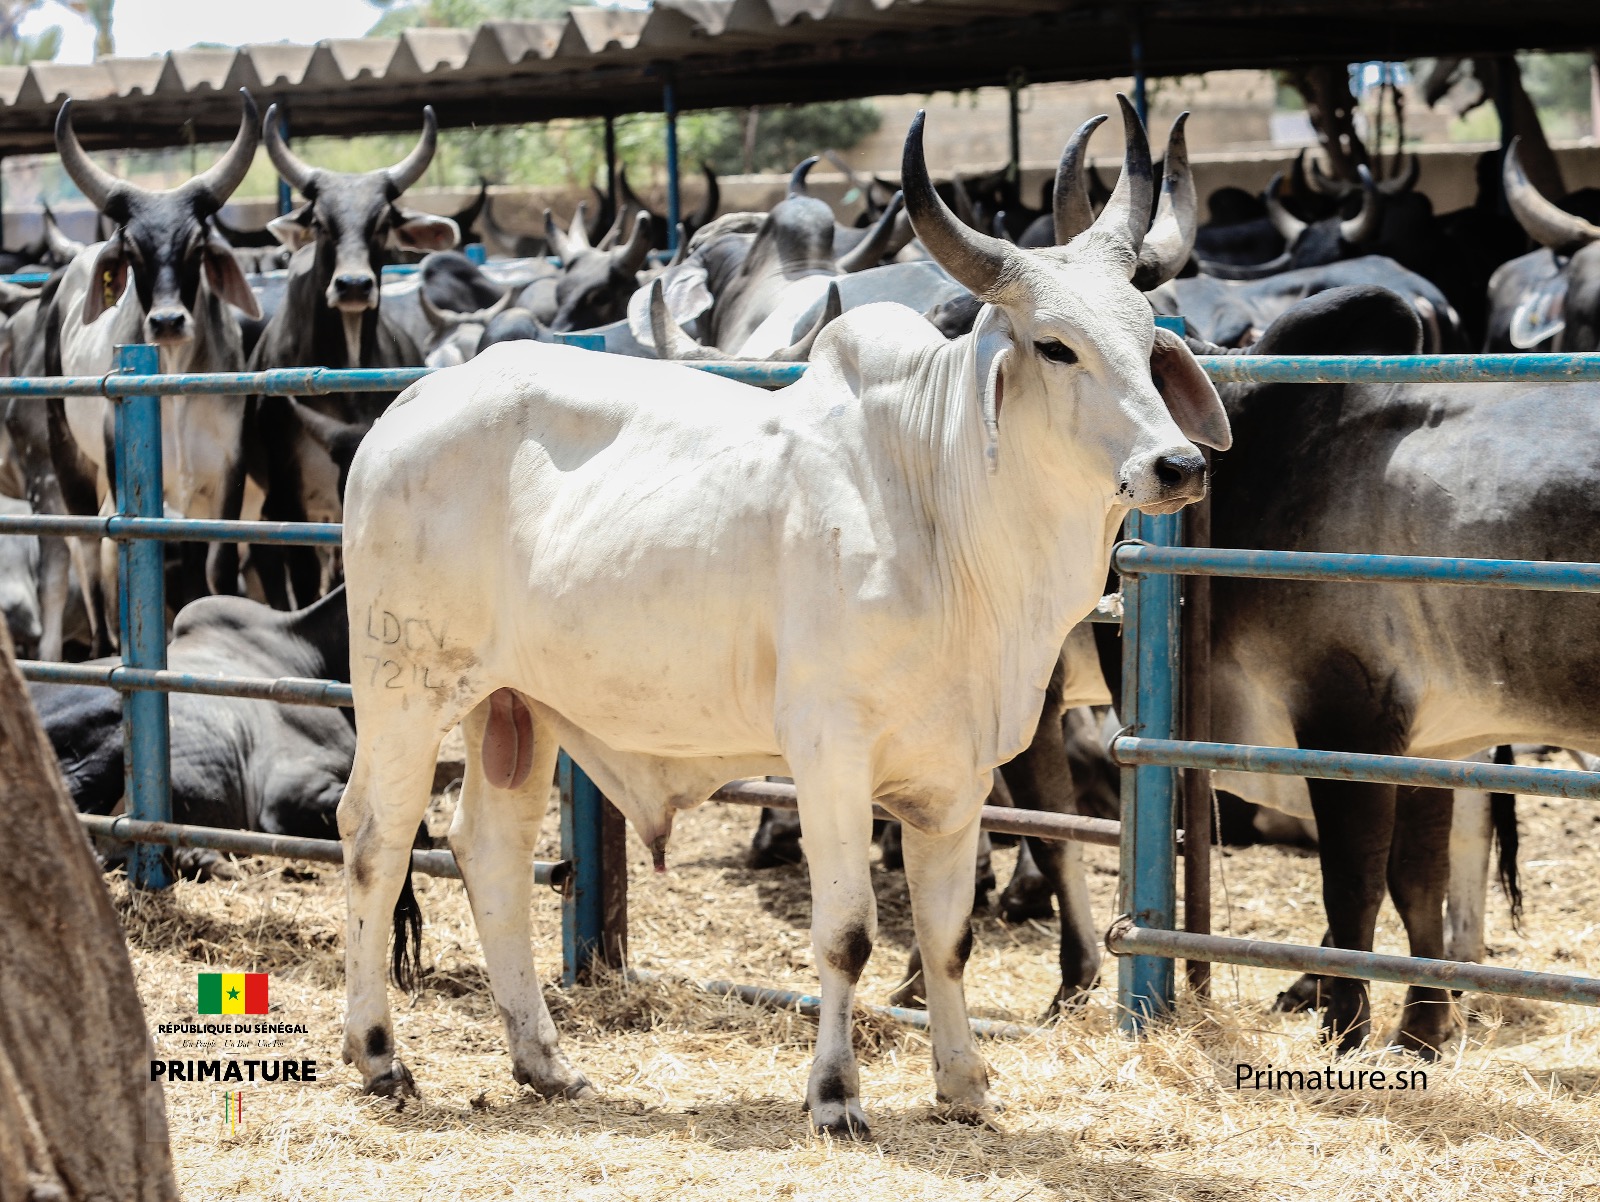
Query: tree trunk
[
  {"x": 1325, "y": 88},
  {"x": 79, "y": 1115}
]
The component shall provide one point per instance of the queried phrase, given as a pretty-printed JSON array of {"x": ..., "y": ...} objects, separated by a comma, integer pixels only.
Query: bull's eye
[{"x": 1056, "y": 352}]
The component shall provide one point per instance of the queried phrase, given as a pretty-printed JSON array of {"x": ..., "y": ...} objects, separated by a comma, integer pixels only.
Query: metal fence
[{"x": 591, "y": 874}]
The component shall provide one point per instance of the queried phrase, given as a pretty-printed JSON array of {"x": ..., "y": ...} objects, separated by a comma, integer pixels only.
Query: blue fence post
[
  {"x": 142, "y": 606},
  {"x": 583, "y": 907},
  {"x": 669, "y": 106},
  {"x": 1149, "y": 795}
]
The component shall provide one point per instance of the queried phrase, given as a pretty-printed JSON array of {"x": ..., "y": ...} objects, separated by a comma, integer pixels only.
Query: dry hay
[{"x": 701, "y": 1094}]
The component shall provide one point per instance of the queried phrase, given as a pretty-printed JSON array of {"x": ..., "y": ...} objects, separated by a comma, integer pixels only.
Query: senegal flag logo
[{"x": 232, "y": 992}]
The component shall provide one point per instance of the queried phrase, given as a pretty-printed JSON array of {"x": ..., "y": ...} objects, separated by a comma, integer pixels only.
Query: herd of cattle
[{"x": 853, "y": 562}]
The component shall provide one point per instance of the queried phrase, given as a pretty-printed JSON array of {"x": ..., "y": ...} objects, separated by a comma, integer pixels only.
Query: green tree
[
  {"x": 97, "y": 13},
  {"x": 463, "y": 14},
  {"x": 15, "y": 46}
]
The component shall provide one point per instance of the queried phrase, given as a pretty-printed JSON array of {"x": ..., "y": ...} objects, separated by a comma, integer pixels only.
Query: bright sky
[{"x": 155, "y": 26}]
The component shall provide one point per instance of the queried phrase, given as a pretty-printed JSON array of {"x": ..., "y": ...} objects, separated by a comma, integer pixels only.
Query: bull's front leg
[
  {"x": 836, "y": 815},
  {"x": 939, "y": 872}
]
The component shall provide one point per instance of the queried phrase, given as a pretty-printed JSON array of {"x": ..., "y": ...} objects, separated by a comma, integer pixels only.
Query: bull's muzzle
[
  {"x": 351, "y": 292},
  {"x": 167, "y": 327}
]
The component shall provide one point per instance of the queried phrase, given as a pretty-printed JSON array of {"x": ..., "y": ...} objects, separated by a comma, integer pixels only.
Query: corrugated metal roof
[{"x": 731, "y": 52}]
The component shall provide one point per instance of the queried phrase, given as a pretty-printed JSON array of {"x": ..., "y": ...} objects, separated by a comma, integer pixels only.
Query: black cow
[
  {"x": 1548, "y": 299},
  {"x": 237, "y": 764},
  {"x": 330, "y": 316},
  {"x": 595, "y": 282},
  {"x": 1476, "y": 470},
  {"x": 1310, "y": 243}
]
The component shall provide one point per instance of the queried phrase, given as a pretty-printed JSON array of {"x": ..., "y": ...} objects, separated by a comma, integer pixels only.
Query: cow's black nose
[
  {"x": 167, "y": 323},
  {"x": 353, "y": 287},
  {"x": 1181, "y": 473}
]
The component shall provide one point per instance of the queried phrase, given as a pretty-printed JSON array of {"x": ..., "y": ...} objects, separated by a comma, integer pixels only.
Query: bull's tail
[
  {"x": 1503, "y": 818},
  {"x": 406, "y": 965}
]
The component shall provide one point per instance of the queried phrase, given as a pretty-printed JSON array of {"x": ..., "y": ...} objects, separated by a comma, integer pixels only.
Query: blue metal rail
[{"x": 1149, "y": 839}]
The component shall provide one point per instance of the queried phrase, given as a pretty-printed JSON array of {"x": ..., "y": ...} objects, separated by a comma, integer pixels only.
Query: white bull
[{"x": 862, "y": 584}]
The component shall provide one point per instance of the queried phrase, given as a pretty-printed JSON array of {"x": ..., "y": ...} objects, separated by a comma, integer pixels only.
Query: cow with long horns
[
  {"x": 165, "y": 276},
  {"x": 1548, "y": 299},
  {"x": 347, "y": 229},
  {"x": 863, "y": 583}
]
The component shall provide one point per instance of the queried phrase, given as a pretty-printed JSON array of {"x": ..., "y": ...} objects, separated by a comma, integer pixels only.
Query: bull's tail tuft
[
  {"x": 1503, "y": 818},
  {"x": 405, "y": 967}
]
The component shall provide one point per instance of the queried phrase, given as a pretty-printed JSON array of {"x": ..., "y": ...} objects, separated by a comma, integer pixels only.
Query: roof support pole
[
  {"x": 1141, "y": 104},
  {"x": 611, "y": 158},
  {"x": 285, "y": 193},
  {"x": 669, "y": 106},
  {"x": 1014, "y": 83}
]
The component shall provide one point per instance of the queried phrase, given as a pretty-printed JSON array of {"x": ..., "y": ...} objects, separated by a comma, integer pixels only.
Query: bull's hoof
[
  {"x": 1305, "y": 994},
  {"x": 1019, "y": 905},
  {"x": 841, "y": 1121},
  {"x": 396, "y": 1083},
  {"x": 967, "y": 1114},
  {"x": 569, "y": 1086},
  {"x": 909, "y": 993},
  {"x": 1424, "y": 1041},
  {"x": 775, "y": 855},
  {"x": 1069, "y": 999}
]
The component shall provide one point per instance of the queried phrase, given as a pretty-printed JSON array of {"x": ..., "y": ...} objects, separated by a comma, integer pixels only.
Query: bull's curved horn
[
  {"x": 671, "y": 342},
  {"x": 713, "y": 200},
  {"x": 682, "y": 253},
  {"x": 1170, "y": 242},
  {"x": 578, "y": 228},
  {"x": 212, "y": 187},
  {"x": 1397, "y": 183},
  {"x": 93, "y": 180},
  {"x": 1124, "y": 221},
  {"x": 1070, "y": 207},
  {"x": 62, "y": 248},
  {"x": 297, "y": 173},
  {"x": 1286, "y": 223},
  {"x": 797, "y": 180},
  {"x": 976, "y": 261},
  {"x": 446, "y": 319},
  {"x": 1326, "y": 185},
  {"x": 799, "y": 352},
  {"x": 1546, "y": 224},
  {"x": 869, "y": 252},
  {"x": 1245, "y": 271},
  {"x": 1364, "y": 226},
  {"x": 630, "y": 199},
  {"x": 554, "y": 239},
  {"x": 1297, "y": 174},
  {"x": 632, "y": 254},
  {"x": 409, "y": 169}
]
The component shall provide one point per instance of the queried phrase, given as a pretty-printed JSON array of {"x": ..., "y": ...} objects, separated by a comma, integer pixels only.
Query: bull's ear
[
  {"x": 992, "y": 344},
  {"x": 226, "y": 277},
  {"x": 1190, "y": 396},
  {"x": 108, "y": 278},
  {"x": 294, "y": 230},
  {"x": 424, "y": 231}
]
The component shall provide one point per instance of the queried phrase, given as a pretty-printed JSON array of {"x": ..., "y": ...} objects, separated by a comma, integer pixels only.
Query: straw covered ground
[{"x": 701, "y": 1095}]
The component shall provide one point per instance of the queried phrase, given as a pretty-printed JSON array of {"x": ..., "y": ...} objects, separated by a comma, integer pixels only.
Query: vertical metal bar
[
  {"x": 611, "y": 158},
  {"x": 613, "y": 885},
  {"x": 285, "y": 193},
  {"x": 143, "y": 608},
  {"x": 1141, "y": 103},
  {"x": 1149, "y": 869},
  {"x": 1196, "y": 783},
  {"x": 583, "y": 908},
  {"x": 1014, "y": 83},
  {"x": 669, "y": 106}
]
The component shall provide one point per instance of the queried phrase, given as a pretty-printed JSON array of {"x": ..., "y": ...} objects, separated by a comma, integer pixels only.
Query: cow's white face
[{"x": 1084, "y": 364}]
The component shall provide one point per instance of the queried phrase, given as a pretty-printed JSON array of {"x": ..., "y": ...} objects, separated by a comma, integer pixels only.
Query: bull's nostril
[
  {"x": 1176, "y": 471},
  {"x": 353, "y": 285}
]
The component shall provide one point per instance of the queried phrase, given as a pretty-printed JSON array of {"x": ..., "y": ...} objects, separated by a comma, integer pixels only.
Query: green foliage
[
  {"x": 463, "y": 14},
  {"x": 15, "y": 51},
  {"x": 1557, "y": 81}
]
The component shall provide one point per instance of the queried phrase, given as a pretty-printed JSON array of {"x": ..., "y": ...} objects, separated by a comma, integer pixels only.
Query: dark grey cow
[
  {"x": 1548, "y": 299},
  {"x": 595, "y": 282},
  {"x": 330, "y": 316},
  {"x": 1234, "y": 312},
  {"x": 238, "y": 764},
  {"x": 1487, "y": 471}
]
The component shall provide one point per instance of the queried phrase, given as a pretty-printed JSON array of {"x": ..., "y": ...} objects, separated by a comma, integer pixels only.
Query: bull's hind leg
[
  {"x": 939, "y": 872},
  {"x": 510, "y": 760},
  {"x": 378, "y": 815},
  {"x": 836, "y": 815}
]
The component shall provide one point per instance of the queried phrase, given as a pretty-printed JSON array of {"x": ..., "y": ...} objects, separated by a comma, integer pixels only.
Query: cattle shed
[{"x": 693, "y": 54}]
